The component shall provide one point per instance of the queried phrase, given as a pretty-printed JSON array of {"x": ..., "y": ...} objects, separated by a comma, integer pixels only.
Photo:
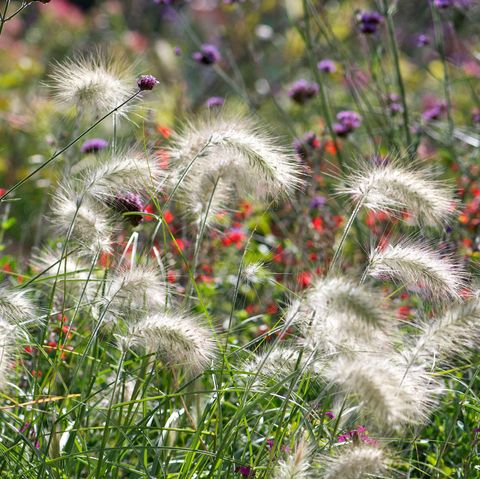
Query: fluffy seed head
[
  {"x": 394, "y": 188},
  {"x": 15, "y": 307},
  {"x": 85, "y": 220},
  {"x": 7, "y": 334},
  {"x": 95, "y": 83},
  {"x": 179, "y": 340},
  {"x": 418, "y": 265},
  {"x": 128, "y": 171},
  {"x": 134, "y": 293},
  {"x": 388, "y": 392},
  {"x": 453, "y": 333},
  {"x": 296, "y": 465},
  {"x": 337, "y": 313},
  {"x": 240, "y": 153},
  {"x": 358, "y": 462}
]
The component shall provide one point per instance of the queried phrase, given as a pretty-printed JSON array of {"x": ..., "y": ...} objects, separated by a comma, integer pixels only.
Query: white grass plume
[
  {"x": 178, "y": 339},
  {"x": 129, "y": 171},
  {"x": 240, "y": 152},
  {"x": 338, "y": 314},
  {"x": 133, "y": 293},
  {"x": 418, "y": 265},
  {"x": 87, "y": 221},
  {"x": 280, "y": 362},
  {"x": 7, "y": 334},
  {"x": 296, "y": 465},
  {"x": 95, "y": 83},
  {"x": 355, "y": 462},
  {"x": 389, "y": 393},
  {"x": 393, "y": 187},
  {"x": 451, "y": 334},
  {"x": 15, "y": 306}
]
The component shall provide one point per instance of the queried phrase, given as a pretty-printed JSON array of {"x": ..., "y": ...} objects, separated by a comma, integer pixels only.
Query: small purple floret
[
  {"x": 214, "y": 101},
  {"x": 302, "y": 91},
  {"x": 369, "y": 21},
  {"x": 208, "y": 54},
  {"x": 94, "y": 145},
  {"x": 128, "y": 203},
  {"x": 327, "y": 66},
  {"x": 146, "y": 82}
]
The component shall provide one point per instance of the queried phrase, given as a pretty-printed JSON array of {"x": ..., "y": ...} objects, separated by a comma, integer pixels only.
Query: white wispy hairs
[
  {"x": 132, "y": 293},
  {"x": 355, "y": 462},
  {"x": 15, "y": 306},
  {"x": 87, "y": 221},
  {"x": 7, "y": 334},
  {"x": 240, "y": 152},
  {"x": 393, "y": 187},
  {"x": 127, "y": 171},
  {"x": 280, "y": 362},
  {"x": 389, "y": 393},
  {"x": 337, "y": 313},
  {"x": 453, "y": 333},
  {"x": 95, "y": 83},
  {"x": 418, "y": 265},
  {"x": 178, "y": 338},
  {"x": 296, "y": 465}
]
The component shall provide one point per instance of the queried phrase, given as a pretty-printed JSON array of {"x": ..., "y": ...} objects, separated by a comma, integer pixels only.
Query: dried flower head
[
  {"x": 94, "y": 83},
  {"x": 179, "y": 340},
  {"x": 357, "y": 462},
  {"x": 238, "y": 152},
  {"x": 418, "y": 265},
  {"x": 395, "y": 188}
]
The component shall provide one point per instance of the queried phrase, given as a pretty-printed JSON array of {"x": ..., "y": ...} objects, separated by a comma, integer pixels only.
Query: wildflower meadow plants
[{"x": 215, "y": 266}]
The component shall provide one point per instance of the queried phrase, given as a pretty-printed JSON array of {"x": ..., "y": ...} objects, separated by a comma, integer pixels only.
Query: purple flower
[
  {"x": 270, "y": 443},
  {"x": 329, "y": 414},
  {"x": 177, "y": 51},
  {"x": 347, "y": 122},
  {"x": 146, "y": 82},
  {"x": 245, "y": 471},
  {"x": 442, "y": 3},
  {"x": 208, "y": 54},
  {"x": 393, "y": 102},
  {"x": 128, "y": 203},
  {"x": 423, "y": 40},
  {"x": 326, "y": 66},
  {"x": 317, "y": 202},
  {"x": 434, "y": 112},
  {"x": 94, "y": 145},
  {"x": 304, "y": 146},
  {"x": 476, "y": 115},
  {"x": 214, "y": 101},
  {"x": 302, "y": 91},
  {"x": 369, "y": 21}
]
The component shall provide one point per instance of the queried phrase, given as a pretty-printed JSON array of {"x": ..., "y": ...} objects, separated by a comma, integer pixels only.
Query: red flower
[
  {"x": 304, "y": 278},
  {"x": 317, "y": 224}
]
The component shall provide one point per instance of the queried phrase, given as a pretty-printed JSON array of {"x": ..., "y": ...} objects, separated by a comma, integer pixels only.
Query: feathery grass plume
[
  {"x": 453, "y": 333},
  {"x": 355, "y": 462},
  {"x": 419, "y": 265},
  {"x": 204, "y": 197},
  {"x": 15, "y": 307},
  {"x": 240, "y": 152},
  {"x": 7, "y": 333},
  {"x": 296, "y": 465},
  {"x": 84, "y": 219},
  {"x": 281, "y": 362},
  {"x": 73, "y": 269},
  {"x": 133, "y": 293},
  {"x": 338, "y": 314},
  {"x": 128, "y": 171},
  {"x": 178, "y": 339},
  {"x": 393, "y": 187},
  {"x": 95, "y": 83},
  {"x": 389, "y": 392}
]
